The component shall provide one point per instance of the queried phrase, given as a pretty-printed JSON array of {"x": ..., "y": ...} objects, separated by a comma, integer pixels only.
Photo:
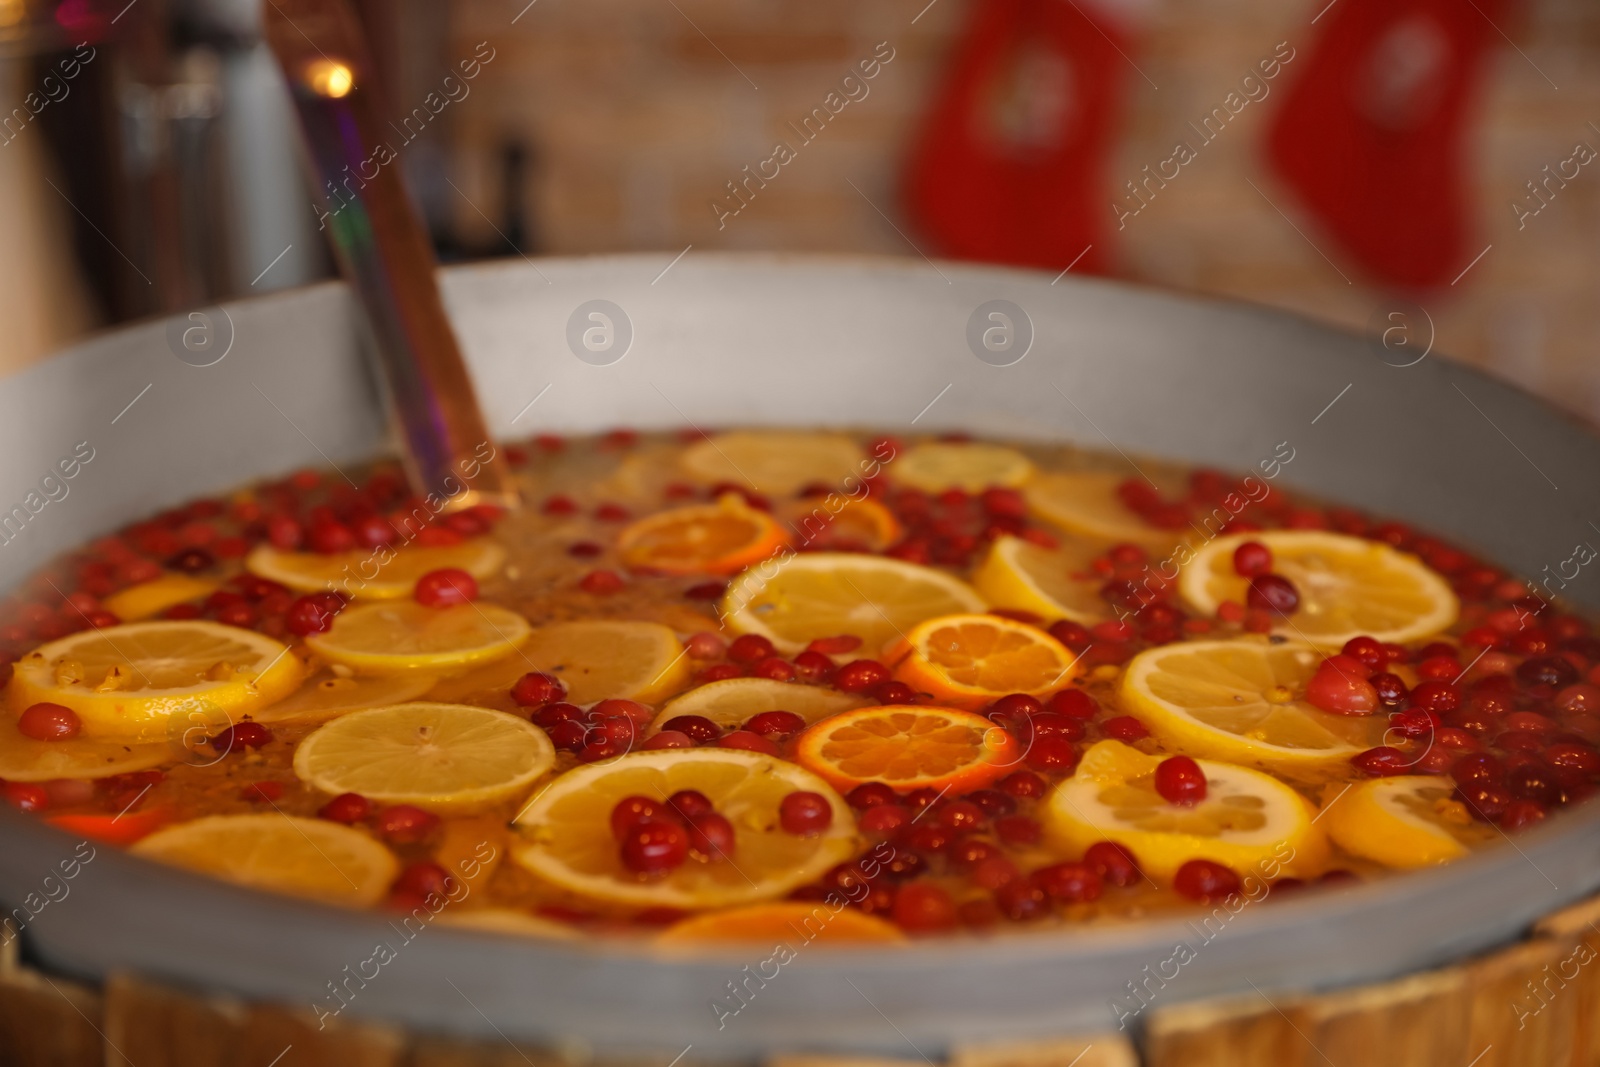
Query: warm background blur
[{"x": 167, "y": 176}]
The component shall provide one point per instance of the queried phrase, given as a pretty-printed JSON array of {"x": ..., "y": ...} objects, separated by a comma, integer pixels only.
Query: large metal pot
[{"x": 725, "y": 340}]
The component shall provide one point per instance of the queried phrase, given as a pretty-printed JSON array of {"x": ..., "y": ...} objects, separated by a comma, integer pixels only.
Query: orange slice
[
  {"x": 908, "y": 747},
  {"x": 720, "y": 538},
  {"x": 864, "y": 523},
  {"x": 797, "y": 922},
  {"x": 969, "y": 660}
]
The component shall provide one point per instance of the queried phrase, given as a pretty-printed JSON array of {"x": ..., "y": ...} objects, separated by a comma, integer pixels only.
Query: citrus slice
[
  {"x": 822, "y": 594},
  {"x": 507, "y": 921},
  {"x": 967, "y": 465},
  {"x": 1086, "y": 502},
  {"x": 569, "y": 842},
  {"x": 327, "y": 695},
  {"x": 442, "y": 757},
  {"x": 1348, "y": 586},
  {"x": 841, "y": 522},
  {"x": 1248, "y": 821},
  {"x": 1050, "y": 583},
  {"x": 734, "y": 701},
  {"x": 776, "y": 462},
  {"x": 157, "y": 595},
  {"x": 1406, "y": 821},
  {"x": 796, "y": 922},
  {"x": 124, "y": 681},
  {"x": 908, "y": 747},
  {"x": 1241, "y": 701},
  {"x": 373, "y": 573},
  {"x": 22, "y": 759},
  {"x": 720, "y": 538},
  {"x": 311, "y": 858},
  {"x": 403, "y": 637},
  {"x": 968, "y": 661},
  {"x": 603, "y": 658}
]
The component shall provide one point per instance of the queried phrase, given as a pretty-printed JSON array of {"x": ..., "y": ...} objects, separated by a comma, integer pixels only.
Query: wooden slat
[
  {"x": 447, "y": 1052},
  {"x": 44, "y": 1022},
  {"x": 810, "y": 1060},
  {"x": 1419, "y": 1021},
  {"x": 1521, "y": 1010},
  {"x": 1085, "y": 1050},
  {"x": 1232, "y": 1032},
  {"x": 1581, "y": 923}
]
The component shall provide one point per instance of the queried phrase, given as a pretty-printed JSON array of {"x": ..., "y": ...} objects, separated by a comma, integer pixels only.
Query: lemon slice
[
  {"x": 326, "y": 695},
  {"x": 734, "y": 701},
  {"x": 1348, "y": 586},
  {"x": 968, "y": 465},
  {"x": 603, "y": 658},
  {"x": 1406, "y": 821},
  {"x": 1248, "y": 820},
  {"x": 124, "y": 681},
  {"x": 442, "y": 757},
  {"x": 403, "y": 637},
  {"x": 157, "y": 595},
  {"x": 793, "y": 921},
  {"x": 373, "y": 573},
  {"x": 1050, "y": 583},
  {"x": 22, "y": 759},
  {"x": 570, "y": 844},
  {"x": 1241, "y": 701},
  {"x": 311, "y": 858},
  {"x": 1086, "y": 502},
  {"x": 775, "y": 462},
  {"x": 825, "y": 594}
]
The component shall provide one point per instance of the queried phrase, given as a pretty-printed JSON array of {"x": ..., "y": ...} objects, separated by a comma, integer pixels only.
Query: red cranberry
[
  {"x": 313, "y": 614},
  {"x": 49, "y": 722},
  {"x": 1582, "y": 697},
  {"x": 668, "y": 739},
  {"x": 883, "y": 818},
  {"x": 993, "y": 872},
  {"x": 1017, "y": 830},
  {"x": 871, "y": 795},
  {"x": 805, "y": 814},
  {"x": 1381, "y": 762},
  {"x": 284, "y": 533},
  {"x": 699, "y": 728},
  {"x": 423, "y": 878},
  {"x": 1022, "y": 901},
  {"x": 1521, "y": 814},
  {"x": 1180, "y": 780},
  {"x": 445, "y": 587},
  {"x": 1552, "y": 671},
  {"x": 654, "y": 846},
  {"x": 1367, "y": 651},
  {"x": 1014, "y": 705},
  {"x": 192, "y": 561},
  {"x": 1574, "y": 756},
  {"x": 1341, "y": 691},
  {"x": 992, "y": 802},
  {"x": 1073, "y": 635},
  {"x": 711, "y": 835},
  {"x": 813, "y": 667},
  {"x": 927, "y": 838},
  {"x": 634, "y": 809},
  {"x": 1439, "y": 669},
  {"x": 918, "y": 799},
  {"x": 689, "y": 803},
  {"x": 404, "y": 824},
  {"x": 1113, "y": 863},
  {"x": 1436, "y": 696},
  {"x": 1073, "y": 703},
  {"x": 750, "y": 648},
  {"x": 960, "y": 815},
  {"x": 1414, "y": 723},
  {"x": 348, "y": 808},
  {"x": 860, "y": 675},
  {"x": 1252, "y": 559},
  {"x": 835, "y": 646},
  {"x": 240, "y": 736},
  {"x": 1390, "y": 688},
  {"x": 600, "y": 583},
  {"x": 1530, "y": 721},
  {"x": 330, "y": 537},
  {"x": 1124, "y": 728},
  {"x": 1488, "y": 800},
  {"x": 706, "y": 591},
  {"x": 774, "y": 667},
  {"x": 923, "y": 908},
  {"x": 26, "y": 796},
  {"x": 776, "y": 725},
  {"x": 1055, "y": 754},
  {"x": 1205, "y": 881},
  {"x": 748, "y": 742},
  {"x": 1022, "y": 784},
  {"x": 1049, "y": 724},
  {"x": 1477, "y": 767},
  {"x": 536, "y": 688},
  {"x": 1534, "y": 783},
  {"x": 1075, "y": 883},
  {"x": 1274, "y": 593},
  {"x": 893, "y": 692}
]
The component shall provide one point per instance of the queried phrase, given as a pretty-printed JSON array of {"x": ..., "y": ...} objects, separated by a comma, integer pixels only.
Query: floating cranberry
[
  {"x": 750, "y": 648},
  {"x": 536, "y": 689},
  {"x": 284, "y": 532},
  {"x": 600, "y": 583},
  {"x": 689, "y": 803},
  {"x": 264, "y": 792},
  {"x": 1113, "y": 863},
  {"x": 748, "y": 742},
  {"x": 776, "y": 725},
  {"x": 1381, "y": 762},
  {"x": 884, "y": 818},
  {"x": 1050, "y": 724},
  {"x": 347, "y": 808},
  {"x": 49, "y": 722},
  {"x": 1022, "y": 784},
  {"x": 1439, "y": 668},
  {"x": 1205, "y": 881},
  {"x": 1073, "y": 703},
  {"x": 192, "y": 561},
  {"x": 1436, "y": 696},
  {"x": 330, "y": 537},
  {"x": 1534, "y": 782},
  {"x": 654, "y": 846},
  {"x": 423, "y": 878},
  {"x": 1252, "y": 559},
  {"x": 994, "y": 872},
  {"x": 1521, "y": 814},
  {"x": 706, "y": 591},
  {"x": 1125, "y": 728},
  {"x": 1180, "y": 780},
  {"x": 835, "y": 646},
  {"x": 1022, "y": 901},
  {"x": 1391, "y": 689},
  {"x": 711, "y": 835},
  {"x": 445, "y": 588},
  {"x": 992, "y": 802},
  {"x": 806, "y": 814},
  {"x": 1072, "y": 634},
  {"x": 26, "y": 796},
  {"x": 1274, "y": 593},
  {"x": 313, "y": 614},
  {"x": 1414, "y": 722},
  {"x": 240, "y": 736},
  {"x": 774, "y": 667},
  {"x": 918, "y": 799},
  {"x": 701, "y": 729},
  {"x": 1582, "y": 697},
  {"x": 923, "y": 908},
  {"x": 1573, "y": 756},
  {"x": 871, "y": 795},
  {"x": 404, "y": 824},
  {"x": 958, "y": 815},
  {"x": 860, "y": 675},
  {"x": 1530, "y": 721},
  {"x": 1075, "y": 883},
  {"x": 1013, "y": 705},
  {"x": 813, "y": 667},
  {"x": 1488, "y": 800},
  {"x": 1367, "y": 651},
  {"x": 1338, "y": 689},
  {"x": 668, "y": 739},
  {"x": 1055, "y": 754},
  {"x": 635, "y": 809},
  {"x": 893, "y": 692},
  {"x": 927, "y": 837},
  {"x": 1552, "y": 671}
]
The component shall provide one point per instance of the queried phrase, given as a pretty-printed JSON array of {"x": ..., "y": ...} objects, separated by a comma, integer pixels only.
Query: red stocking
[
  {"x": 1009, "y": 166},
  {"x": 1371, "y": 133}
]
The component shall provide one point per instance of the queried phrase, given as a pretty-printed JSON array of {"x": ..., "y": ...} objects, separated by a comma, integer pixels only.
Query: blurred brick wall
[{"x": 641, "y": 110}]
